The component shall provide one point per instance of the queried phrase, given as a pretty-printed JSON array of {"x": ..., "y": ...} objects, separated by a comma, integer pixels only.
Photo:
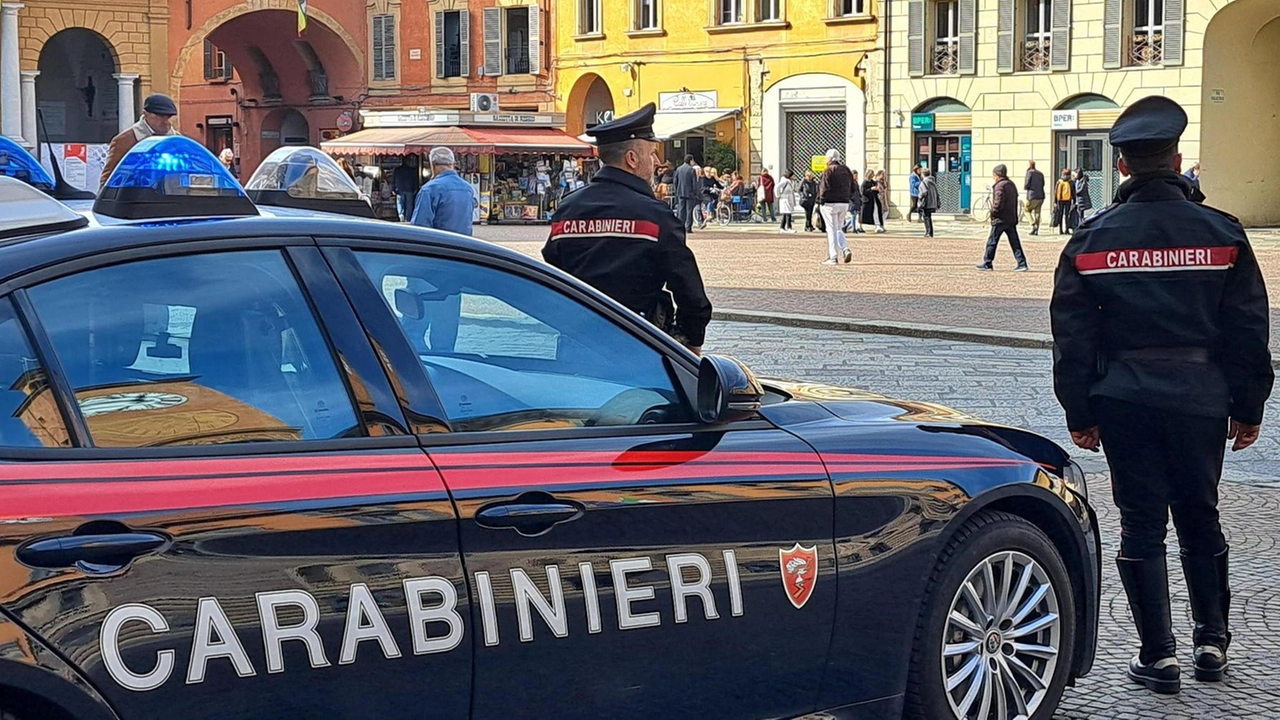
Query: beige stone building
[
  {"x": 82, "y": 65},
  {"x": 963, "y": 85}
]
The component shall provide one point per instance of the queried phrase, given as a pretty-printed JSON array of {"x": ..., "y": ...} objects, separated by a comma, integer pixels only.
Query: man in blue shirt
[{"x": 446, "y": 202}]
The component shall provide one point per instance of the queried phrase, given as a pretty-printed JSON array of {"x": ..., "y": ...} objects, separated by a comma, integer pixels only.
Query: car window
[
  {"x": 29, "y": 415},
  {"x": 507, "y": 353},
  {"x": 195, "y": 350}
]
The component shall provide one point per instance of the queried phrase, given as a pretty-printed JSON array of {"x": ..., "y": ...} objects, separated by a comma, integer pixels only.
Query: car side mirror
[{"x": 727, "y": 390}]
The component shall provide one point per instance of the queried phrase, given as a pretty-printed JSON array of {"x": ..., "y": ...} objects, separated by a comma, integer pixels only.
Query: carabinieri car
[{"x": 274, "y": 463}]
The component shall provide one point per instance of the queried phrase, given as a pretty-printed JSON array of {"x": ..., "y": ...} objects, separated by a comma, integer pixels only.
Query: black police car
[{"x": 269, "y": 463}]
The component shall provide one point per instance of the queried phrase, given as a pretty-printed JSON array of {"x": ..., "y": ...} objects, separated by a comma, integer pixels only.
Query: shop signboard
[
  {"x": 380, "y": 119},
  {"x": 818, "y": 163},
  {"x": 689, "y": 100},
  {"x": 513, "y": 119},
  {"x": 922, "y": 122},
  {"x": 1065, "y": 120}
]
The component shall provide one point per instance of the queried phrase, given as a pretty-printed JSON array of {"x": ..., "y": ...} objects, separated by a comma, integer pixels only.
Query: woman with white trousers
[{"x": 835, "y": 191}]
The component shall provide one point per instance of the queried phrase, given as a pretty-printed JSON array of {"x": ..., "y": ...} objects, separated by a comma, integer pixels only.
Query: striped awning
[{"x": 462, "y": 140}]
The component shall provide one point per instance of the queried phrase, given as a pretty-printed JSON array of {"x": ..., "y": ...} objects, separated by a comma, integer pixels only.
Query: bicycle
[
  {"x": 739, "y": 210},
  {"x": 982, "y": 207}
]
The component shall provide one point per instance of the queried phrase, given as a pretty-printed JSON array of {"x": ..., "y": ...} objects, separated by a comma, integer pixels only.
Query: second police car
[{"x": 263, "y": 462}]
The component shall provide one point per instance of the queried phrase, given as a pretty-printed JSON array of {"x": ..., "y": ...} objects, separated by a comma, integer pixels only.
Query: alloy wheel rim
[{"x": 1001, "y": 641}]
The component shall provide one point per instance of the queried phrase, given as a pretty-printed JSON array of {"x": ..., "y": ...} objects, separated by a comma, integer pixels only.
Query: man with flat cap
[
  {"x": 1160, "y": 325},
  {"x": 158, "y": 112},
  {"x": 617, "y": 237}
]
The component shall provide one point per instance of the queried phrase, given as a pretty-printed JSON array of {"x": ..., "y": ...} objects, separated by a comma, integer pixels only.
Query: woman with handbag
[{"x": 785, "y": 193}]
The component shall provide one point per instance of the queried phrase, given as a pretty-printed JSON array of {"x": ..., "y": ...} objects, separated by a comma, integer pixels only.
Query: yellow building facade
[{"x": 778, "y": 80}]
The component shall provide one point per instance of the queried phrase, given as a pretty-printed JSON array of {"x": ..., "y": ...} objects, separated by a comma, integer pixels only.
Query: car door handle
[
  {"x": 530, "y": 514},
  {"x": 91, "y": 551}
]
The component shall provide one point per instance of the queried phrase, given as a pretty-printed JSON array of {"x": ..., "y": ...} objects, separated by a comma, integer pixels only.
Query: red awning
[{"x": 468, "y": 140}]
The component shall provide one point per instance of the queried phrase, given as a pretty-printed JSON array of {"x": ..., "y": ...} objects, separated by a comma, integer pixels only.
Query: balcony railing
[
  {"x": 518, "y": 62},
  {"x": 1036, "y": 53},
  {"x": 1147, "y": 48},
  {"x": 946, "y": 58},
  {"x": 452, "y": 62}
]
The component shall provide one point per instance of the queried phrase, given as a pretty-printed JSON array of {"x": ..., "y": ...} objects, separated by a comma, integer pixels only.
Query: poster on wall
[
  {"x": 54, "y": 114},
  {"x": 81, "y": 163}
]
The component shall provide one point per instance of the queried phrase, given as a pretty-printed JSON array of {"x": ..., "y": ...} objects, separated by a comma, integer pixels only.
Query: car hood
[{"x": 864, "y": 405}]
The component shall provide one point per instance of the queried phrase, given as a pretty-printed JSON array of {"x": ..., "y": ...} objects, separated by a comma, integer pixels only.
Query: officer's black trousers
[{"x": 1163, "y": 462}]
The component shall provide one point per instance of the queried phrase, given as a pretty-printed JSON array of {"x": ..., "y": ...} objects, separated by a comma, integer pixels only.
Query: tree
[{"x": 720, "y": 156}]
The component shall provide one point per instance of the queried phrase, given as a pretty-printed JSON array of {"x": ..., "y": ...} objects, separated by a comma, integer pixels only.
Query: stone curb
[
  {"x": 890, "y": 327},
  {"x": 983, "y": 336}
]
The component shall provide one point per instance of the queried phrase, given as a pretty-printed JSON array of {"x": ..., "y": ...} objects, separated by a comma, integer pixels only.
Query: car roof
[{"x": 22, "y": 254}]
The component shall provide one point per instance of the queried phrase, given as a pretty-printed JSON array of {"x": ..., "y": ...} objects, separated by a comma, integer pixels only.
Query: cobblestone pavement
[{"x": 1013, "y": 386}]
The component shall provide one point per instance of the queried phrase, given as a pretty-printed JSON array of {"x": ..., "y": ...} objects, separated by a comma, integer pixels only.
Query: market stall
[{"x": 518, "y": 173}]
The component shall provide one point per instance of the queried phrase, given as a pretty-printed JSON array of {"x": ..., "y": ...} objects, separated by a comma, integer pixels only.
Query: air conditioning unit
[{"x": 484, "y": 103}]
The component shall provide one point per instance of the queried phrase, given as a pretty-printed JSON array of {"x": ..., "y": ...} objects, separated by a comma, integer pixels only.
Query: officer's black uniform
[
  {"x": 617, "y": 237},
  {"x": 1160, "y": 324}
]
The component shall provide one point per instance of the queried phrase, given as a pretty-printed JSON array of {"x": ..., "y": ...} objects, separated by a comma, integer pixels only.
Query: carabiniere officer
[
  {"x": 1160, "y": 324},
  {"x": 616, "y": 236}
]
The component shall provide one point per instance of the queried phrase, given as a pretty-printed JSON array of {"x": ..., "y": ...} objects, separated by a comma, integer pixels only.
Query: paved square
[{"x": 1013, "y": 386}]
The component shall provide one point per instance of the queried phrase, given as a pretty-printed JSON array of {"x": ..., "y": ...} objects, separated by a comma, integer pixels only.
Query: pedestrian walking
[
  {"x": 446, "y": 202},
  {"x": 1161, "y": 332},
  {"x": 882, "y": 200},
  {"x": 615, "y": 235},
  {"x": 1034, "y": 185},
  {"x": 687, "y": 189},
  {"x": 913, "y": 189},
  {"x": 870, "y": 199},
  {"x": 1064, "y": 195},
  {"x": 404, "y": 181},
  {"x": 1004, "y": 220},
  {"x": 929, "y": 200},
  {"x": 835, "y": 189},
  {"x": 158, "y": 112},
  {"x": 808, "y": 197},
  {"x": 768, "y": 195},
  {"x": 786, "y": 195},
  {"x": 856, "y": 204},
  {"x": 1083, "y": 201}
]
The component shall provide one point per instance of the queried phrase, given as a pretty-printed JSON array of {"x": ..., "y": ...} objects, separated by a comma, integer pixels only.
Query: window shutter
[
  {"x": 535, "y": 39},
  {"x": 1174, "y": 31},
  {"x": 464, "y": 45},
  {"x": 1112, "y": 34},
  {"x": 228, "y": 72},
  {"x": 1006, "y": 43},
  {"x": 915, "y": 37},
  {"x": 377, "y": 47},
  {"x": 208, "y": 60},
  {"x": 1060, "y": 37},
  {"x": 389, "y": 46},
  {"x": 968, "y": 31},
  {"x": 492, "y": 41},
  {"x": 439, "y": 16}
]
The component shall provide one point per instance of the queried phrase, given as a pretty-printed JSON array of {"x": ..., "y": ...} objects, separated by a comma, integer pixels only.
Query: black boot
[
  {"x": 1210, "y": 595},
  {"x": 1146, "y": 582}
]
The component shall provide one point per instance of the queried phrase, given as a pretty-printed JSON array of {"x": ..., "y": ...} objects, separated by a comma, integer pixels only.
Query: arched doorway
[
  {"x": 806, "y": 115},
  {"x": 942, "y": 140},
  {"x": 283, "y": 126},
  {"x": 1083, "y": 143},
  {"x": 590, "y": 103},
  {"x": 1240, "y": 137},
  {"x": 76, "y": 92}
]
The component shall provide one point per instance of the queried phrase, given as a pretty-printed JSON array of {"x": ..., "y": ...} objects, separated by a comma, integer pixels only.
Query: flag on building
[{"x": 302, "y": 16}]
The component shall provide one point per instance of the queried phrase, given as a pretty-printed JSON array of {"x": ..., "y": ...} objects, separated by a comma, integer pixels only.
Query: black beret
[
  {"x": 1149, "y": 126},
  {"x": 160, "y": 105},
  {"x": 633, "y": 126}
]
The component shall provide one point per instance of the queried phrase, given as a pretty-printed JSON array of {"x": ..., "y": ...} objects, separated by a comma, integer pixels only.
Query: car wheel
[{"x": 997, "y": 632}]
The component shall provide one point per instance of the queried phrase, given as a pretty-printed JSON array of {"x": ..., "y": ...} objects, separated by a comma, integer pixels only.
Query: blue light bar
[
  {"x": 171, "y": 176},
  {"x": 17, "y": 163}
]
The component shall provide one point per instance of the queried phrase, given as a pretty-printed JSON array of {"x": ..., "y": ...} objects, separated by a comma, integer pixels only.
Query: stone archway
[
  {"x": 320, "y": 23},
  {"x": 590, "y": 103},
  {"x": 76, "y": 90},
  {"x": 1239, "y": 132}
]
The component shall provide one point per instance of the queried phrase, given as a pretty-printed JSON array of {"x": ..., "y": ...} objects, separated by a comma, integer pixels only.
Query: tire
[
  {"x": 724, "y": 215},
  {"x": 957, "y": 587}
]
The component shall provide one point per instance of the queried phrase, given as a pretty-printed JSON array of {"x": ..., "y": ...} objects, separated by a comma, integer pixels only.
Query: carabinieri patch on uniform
[
  {"x": 799, "y": 572},
  {"x": 1157, "y": 260}
]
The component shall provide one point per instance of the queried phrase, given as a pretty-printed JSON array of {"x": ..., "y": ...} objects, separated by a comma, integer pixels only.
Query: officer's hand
[
  {"x": 1087, "y": 439},
  {"x": 695, "y": 350},
  {"x": 1244, "y": 435}
]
